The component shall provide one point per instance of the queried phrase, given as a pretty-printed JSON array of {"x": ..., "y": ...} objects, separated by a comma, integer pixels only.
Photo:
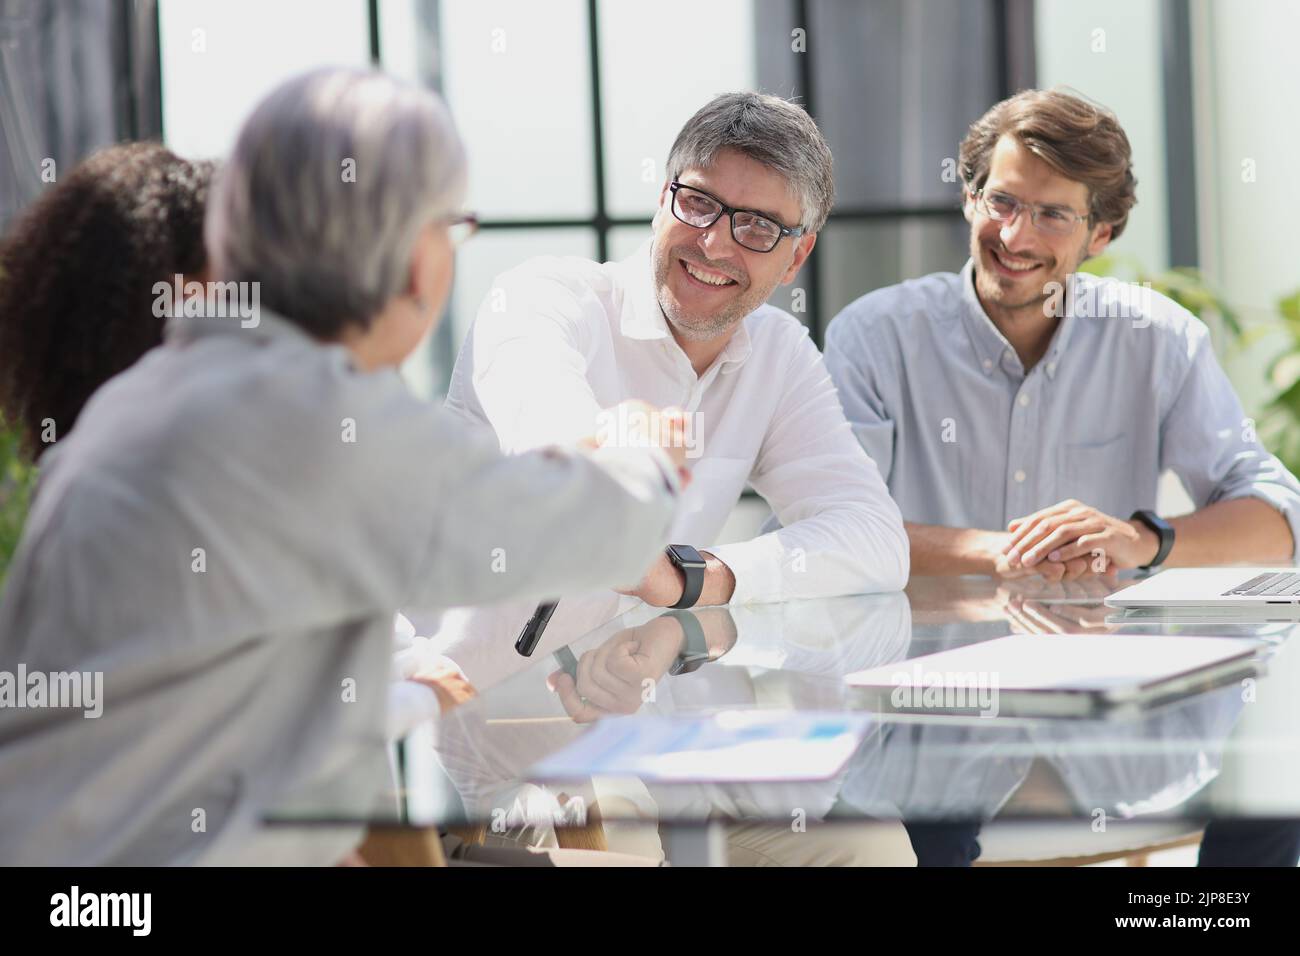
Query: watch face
[{"x": 686, "y": 556}]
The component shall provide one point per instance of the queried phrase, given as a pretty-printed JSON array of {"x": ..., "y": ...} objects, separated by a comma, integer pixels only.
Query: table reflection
[{"x": 794, "y": 656}]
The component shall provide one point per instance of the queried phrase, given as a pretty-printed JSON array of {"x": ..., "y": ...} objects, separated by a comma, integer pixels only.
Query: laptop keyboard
[{"x": 1271, "y": 584}]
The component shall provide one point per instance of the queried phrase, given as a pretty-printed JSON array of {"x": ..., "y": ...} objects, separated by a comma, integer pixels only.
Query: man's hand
[
  {"x": 1093, "y": 589},
  {"x": 612, "y": 678},
  {"x": 1005, "y": 570},
  {"x": 1071, "y": 532},
  {"x": 636, "y": 424},
  {"x": 663, "y": 585},
  {"x": 448, "y": 683},
  {"x": 1040, "y": 617},
  {"x": 939, "y": 550}
]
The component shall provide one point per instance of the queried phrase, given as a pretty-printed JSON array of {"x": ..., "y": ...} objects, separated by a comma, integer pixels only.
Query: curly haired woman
[{"x": 77, "y": 271}]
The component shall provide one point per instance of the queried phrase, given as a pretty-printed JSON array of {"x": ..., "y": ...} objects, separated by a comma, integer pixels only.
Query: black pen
[{"x": 532, "y": 632}]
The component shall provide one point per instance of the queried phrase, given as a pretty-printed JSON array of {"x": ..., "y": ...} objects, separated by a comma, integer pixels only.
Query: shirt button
[
  {"x": 1051, "y": 367},
  {"x": 1023, "y": 400},
  {"x": 988, "y": 364},
  {"x": 1020, "y": 474}
]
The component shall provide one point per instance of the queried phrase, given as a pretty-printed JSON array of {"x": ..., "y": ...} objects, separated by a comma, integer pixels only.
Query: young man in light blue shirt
[{"x": 1021, "y": 412}]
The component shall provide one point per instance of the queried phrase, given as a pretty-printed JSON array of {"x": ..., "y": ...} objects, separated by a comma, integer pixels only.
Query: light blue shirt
[{"x": 966, "y": 438}]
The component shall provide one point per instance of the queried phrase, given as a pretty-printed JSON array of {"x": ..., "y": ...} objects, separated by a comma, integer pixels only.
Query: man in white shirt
[{"x": 683, "y": 322}]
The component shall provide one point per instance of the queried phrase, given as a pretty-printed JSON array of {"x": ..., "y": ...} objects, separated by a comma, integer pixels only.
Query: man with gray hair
[
  {"x": 683, "y": 322},
  {"x": 229, "y": 530}
]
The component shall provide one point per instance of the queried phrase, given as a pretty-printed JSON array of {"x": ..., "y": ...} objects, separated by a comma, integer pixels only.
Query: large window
[
  {"x": 569, "y": 107},
  {"x": 219, "y": 57}
]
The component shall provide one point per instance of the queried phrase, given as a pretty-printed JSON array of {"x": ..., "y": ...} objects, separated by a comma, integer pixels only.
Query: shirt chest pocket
[{"x": 1095, "y": 472}]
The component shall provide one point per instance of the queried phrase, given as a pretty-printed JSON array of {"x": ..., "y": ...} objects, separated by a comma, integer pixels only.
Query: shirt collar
[
  {"x": 737, "y": 350},
  {"x": 643, "y": 318},
  {"x": 990, "y": 345},
  {"x": 263, "y": 326}
]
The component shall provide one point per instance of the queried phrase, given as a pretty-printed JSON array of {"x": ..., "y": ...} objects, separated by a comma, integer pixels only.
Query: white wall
[
  {"x": 1109, "y": 50},
  {"x": 220, "y": 57},
  {"x": 1248, "y": 119}
]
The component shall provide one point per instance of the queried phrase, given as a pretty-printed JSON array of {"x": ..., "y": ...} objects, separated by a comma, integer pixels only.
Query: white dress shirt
[{"x": 558, "y": 339}]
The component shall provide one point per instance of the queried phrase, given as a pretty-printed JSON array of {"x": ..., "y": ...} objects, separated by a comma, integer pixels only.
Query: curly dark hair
[{"x": 77, "y": 271}]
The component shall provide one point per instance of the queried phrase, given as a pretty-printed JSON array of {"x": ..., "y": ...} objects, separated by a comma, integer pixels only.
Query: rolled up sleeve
[{"x": 1207, "y": 440}]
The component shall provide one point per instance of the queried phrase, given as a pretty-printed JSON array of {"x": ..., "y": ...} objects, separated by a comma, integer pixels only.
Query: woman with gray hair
[{"x": 222, "y": 542}]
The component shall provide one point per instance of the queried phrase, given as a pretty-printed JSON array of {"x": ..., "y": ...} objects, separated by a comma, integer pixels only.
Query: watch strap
[
  {"x": 1164, "y": 531},
  {"x": 694, "y": 582},
  {"x": 695, "y": 649}
]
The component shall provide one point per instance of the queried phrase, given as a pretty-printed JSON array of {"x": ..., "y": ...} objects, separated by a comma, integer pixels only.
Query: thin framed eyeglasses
[
  {"x": 460, "y": 228},
  {"x": 1003, "y": 207},
  {"x": 753, "y": 230}
]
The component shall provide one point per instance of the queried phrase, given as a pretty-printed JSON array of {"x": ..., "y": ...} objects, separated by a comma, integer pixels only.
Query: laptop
[
  {"x": 1061, "y": 675},
  {"x": 1260, "y": 588}
]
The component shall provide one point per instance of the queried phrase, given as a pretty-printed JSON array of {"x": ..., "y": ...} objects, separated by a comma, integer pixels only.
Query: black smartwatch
[
  {"x": 1163, "y": 529},
  {"x": 695, "y": 649},
  {"x": 691, "y": 563}
]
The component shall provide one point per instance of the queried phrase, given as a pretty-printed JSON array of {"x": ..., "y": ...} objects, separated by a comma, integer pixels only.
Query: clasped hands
[{"x": 1071, "y": 540}]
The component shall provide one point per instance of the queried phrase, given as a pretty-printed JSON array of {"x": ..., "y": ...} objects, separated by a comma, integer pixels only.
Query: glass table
[{"x": 1227, "y": 753}]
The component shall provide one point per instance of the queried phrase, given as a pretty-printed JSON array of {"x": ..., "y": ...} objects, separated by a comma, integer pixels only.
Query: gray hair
[
  {"x": 330, "y": 182},
  {"x": 770, "y": 130}
]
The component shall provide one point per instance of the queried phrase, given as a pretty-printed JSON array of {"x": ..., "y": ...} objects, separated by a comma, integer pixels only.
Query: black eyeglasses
[{"x": 750, "y": 229}]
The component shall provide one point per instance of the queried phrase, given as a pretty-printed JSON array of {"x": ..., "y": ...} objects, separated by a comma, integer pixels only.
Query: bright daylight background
[{"x": 569, "y": 108}]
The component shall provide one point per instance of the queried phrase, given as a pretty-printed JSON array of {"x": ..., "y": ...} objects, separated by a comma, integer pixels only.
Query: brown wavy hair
[
  {"x": 1079, "y": 139},
  {"x": 77, "y": 271}
]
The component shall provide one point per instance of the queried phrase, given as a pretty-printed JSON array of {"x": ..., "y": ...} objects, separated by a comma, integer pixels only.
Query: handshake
[{"x": 636, "y": 424}]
